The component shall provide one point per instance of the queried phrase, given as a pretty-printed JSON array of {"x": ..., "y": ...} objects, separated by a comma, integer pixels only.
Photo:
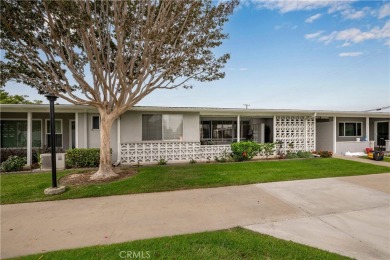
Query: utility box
[{"x": 46, "y": 161}]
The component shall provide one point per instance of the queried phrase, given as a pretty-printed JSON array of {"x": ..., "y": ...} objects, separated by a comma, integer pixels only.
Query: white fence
[{"x": 170, "y": 151}]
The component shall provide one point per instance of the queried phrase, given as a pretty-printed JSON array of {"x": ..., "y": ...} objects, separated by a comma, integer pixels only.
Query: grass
[
  {"x": 385, "y": 158},
  {"x": 17, "y": 188},
  {"x": 236, "y": 243}
]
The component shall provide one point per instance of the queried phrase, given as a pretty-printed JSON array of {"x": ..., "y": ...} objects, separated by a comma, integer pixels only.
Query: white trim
[
  {"x": 70, "y": 133},
  {"x": 77, "y": 129},
  {"x": 367, "y": 129},
  {"x": 62, "y": 131},
  {"x": 29, "y": 138},
  {"x": 85, "y": 130},
  {"x": 238, "y": 128},
  {"x": 350, "y": 122},
  {"x": 334, "y": 134}
]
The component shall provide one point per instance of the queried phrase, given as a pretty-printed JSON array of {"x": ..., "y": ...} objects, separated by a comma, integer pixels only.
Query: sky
[{"x": 326, "y": 55}]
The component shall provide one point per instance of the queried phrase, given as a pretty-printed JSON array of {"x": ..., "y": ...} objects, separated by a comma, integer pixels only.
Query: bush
[
  {"x": 324, "y": 154},
  {"x": 291, "y": 155},
  {"x": 83, "y": 157},
  {"x": 268, "y": 149},
  {"x": 224, "y": 157},
  {"x": 303, "y": 154},
  {"x": 13, "y": 163},
  {"x": 246, "y": 150},
  {"x": 162, "y": 161},
  {"x": 192, "y": 161}
]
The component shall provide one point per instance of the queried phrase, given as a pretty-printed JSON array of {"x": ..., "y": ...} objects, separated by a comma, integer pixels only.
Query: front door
[{"x": 382, "y": 133}]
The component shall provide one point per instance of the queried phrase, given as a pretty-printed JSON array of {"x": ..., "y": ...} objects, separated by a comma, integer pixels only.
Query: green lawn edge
[
  {"x": 20, "y": 188},
  {"x": 235, "y": 243}
]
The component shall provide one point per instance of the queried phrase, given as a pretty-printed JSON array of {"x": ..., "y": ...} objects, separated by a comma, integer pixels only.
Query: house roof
[{"x": 206, "y": 111}]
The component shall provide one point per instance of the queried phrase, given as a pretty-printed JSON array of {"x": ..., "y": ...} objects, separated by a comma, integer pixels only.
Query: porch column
[
  {"x": 334, "y": 134},
  {"x": 305, "y": 134},
  {"x": 238, "y": 128},
  {"x": 367, "y": 129},
  {"x": 76, "y": 130},
  {"x": 85, "y": 130},
  {"x": 29, "y": 138}
]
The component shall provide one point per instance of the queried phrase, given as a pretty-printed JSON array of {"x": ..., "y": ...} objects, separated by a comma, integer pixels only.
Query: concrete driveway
[{"x": 349, "y": 216}]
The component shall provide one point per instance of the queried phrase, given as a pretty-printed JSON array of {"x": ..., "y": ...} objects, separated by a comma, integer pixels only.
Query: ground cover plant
[
  {"x": 236, "y": 243},
  {"x": 16, "y": 188}
]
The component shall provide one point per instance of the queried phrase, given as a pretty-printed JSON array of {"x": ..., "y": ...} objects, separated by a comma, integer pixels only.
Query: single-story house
[{"x": 146, "y": 134}]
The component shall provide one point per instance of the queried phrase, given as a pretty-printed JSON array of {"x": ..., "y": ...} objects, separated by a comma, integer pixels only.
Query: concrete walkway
[
  {"x": 348, "y": 215},
  {"x": 357, "y": 159}
]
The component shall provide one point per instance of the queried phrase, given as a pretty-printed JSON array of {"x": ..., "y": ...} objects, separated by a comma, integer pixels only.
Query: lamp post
[{"x": 54, "y": 189}]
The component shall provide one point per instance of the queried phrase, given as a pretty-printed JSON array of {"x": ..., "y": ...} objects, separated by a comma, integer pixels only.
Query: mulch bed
[{"x": 84, "y": 178}]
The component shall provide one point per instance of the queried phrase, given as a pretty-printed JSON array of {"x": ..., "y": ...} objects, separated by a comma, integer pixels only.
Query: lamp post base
[{"x": 54, "y": 191}]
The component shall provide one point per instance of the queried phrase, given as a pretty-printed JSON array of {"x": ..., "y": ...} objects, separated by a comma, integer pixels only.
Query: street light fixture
[{"x": 54, "y": 189}]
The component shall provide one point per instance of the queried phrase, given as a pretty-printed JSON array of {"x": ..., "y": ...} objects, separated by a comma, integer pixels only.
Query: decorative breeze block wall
[
  {"x": 299, "y": 130},
  {"x": 171, "y": 151}
]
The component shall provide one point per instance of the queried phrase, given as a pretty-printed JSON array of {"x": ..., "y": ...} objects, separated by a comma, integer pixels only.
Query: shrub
[
  {"x": 224, "y": 157},
  {"x": 246, "y": 150},
  {"x": 291, "y": 155},
  {"x": 324, "y": 154},
  {"x": 192, "y": 161},
  {"x": 83, "y": 157},
  {"x": 305, "y": 154},
  {"x": 268, "y": 149},
  {"x": 13, "y": 163},
  {"x": 162, "y": 161}
]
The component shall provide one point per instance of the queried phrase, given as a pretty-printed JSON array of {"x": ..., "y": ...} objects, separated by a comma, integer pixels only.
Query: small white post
[
  {"x": 238, "y": 128},
  {"x": 85, "y": 130},
  {"x": 305, "y": 134},
  {"x": 334, "y": 134},
  {"x": 76, "y": 126},
  {"x": 29, "y": 138},
  {"x": 262, "y": 133},
  {"x": 367, "y": 128}
]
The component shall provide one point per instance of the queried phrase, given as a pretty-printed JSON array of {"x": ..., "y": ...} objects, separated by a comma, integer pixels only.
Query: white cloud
[
  {"x": 352, "y": 14},
  {"x": 285, "y": 6},
  {"x": 355, "y": 35},
  {"x": 313, "y": 35},
  {"x": 384, "y": 11},
  {"x": 313, "y": 18},
  {"x": 243, "y": 69},
  {"x": 350, "y": 54}
]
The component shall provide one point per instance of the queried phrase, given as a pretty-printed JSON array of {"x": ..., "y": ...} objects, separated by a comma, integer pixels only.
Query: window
[
  {"x": 14, "y": 133},
  {"x": 58, "y": 126},
  {"x": 95, "y": 123},
  {"x": 167, "y": 127},
  {"x": 351, "y": 129},
  {"x": 222, "y": 131}
]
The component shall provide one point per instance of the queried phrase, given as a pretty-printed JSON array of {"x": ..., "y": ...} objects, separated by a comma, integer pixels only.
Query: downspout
[{"x": 118, "y": 139}]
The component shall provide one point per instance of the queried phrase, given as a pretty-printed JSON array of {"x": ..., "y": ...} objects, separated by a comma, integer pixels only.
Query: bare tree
[{"x": 111, "y": 54}]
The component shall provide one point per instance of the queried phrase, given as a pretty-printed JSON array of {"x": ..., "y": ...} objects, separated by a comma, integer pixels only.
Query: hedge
[{"x": 83, "y": 157}]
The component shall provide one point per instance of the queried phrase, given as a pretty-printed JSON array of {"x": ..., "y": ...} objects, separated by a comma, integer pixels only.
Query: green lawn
[
  {"x": 236, "y": 243},
  {"x": 16, "y": 188}
]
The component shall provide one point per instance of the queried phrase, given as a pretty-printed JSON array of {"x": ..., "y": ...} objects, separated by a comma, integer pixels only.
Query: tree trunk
[{"x": 105, "y": 167}]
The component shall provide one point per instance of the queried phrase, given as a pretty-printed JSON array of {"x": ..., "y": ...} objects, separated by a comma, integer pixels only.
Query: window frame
[
  {"x": 350, "y": 122},
  {"x": 24, "y": 119},
  {"x": 62, "y": 132}
]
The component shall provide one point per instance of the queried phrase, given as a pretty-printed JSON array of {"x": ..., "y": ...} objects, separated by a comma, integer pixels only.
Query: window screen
[
  {"x": 172, "y": 127},
  {"x": 151, "y": 127}
]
